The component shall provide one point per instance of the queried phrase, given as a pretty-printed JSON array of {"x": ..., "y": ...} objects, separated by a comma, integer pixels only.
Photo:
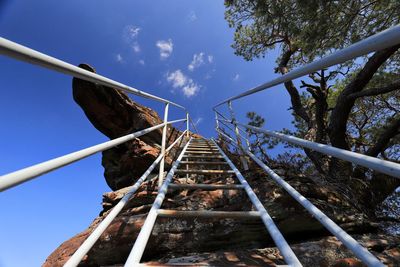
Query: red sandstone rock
[{"x": 114, "y": 114}]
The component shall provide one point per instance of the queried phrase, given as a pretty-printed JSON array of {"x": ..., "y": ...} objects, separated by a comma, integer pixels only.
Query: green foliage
[
  {"x": 371, "y": 115},
  {"x": 312, "y": 28}
]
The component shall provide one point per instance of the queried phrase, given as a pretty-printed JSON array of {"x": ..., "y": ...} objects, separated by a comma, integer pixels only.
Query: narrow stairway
[{"x": 198, "y": 159}]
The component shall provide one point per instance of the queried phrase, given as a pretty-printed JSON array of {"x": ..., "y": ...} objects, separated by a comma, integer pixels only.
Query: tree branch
[
  {"x": 391, "y": 130},
  {"x": 344, "y": 104},
  {"x": 292, "y": 90},
  {"x": 376, "y": 91}
]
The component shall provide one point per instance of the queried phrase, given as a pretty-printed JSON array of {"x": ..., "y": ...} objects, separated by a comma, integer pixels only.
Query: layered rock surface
[
  {"x": 230, "y": 242},
  {"x": 114, "y": 114}
]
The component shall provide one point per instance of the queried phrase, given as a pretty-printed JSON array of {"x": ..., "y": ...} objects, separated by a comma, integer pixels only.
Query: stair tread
[
  {"x": 204, "y": 162},
  {"x": 206, "y": 157},
  {"x": 204, "y": 171},
  {"x": 207, "y": 186},
  {"x": 208, "y": 214}
]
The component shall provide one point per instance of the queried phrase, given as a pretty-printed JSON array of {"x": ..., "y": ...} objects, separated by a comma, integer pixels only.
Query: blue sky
[{"x": 179, "y": 50}]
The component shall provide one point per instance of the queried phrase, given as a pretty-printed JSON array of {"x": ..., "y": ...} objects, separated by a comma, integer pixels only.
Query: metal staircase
[{"x": 206, "y": 154}]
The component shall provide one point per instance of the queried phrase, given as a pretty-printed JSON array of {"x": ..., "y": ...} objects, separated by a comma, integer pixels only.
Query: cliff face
[
  {"x": 217, "y": 242},
  {"x": 114, "y": 114}
]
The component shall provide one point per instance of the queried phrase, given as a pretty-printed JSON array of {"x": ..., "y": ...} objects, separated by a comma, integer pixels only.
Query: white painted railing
[
  {"x": 19, "y": 52},
  {"x": 373, "y": 43}
]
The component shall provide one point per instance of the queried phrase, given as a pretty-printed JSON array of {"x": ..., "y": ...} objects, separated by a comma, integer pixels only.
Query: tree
[{"x": 329, "y": 105}]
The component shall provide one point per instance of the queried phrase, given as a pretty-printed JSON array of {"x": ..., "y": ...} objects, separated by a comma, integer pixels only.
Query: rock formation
[
  {"x": 114, "y": 114},
  {"x": 228, "y": 242},
  {"x": 225, "y": 242}
]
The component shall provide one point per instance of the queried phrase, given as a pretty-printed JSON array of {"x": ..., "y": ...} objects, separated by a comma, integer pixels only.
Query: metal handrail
[
  {"x": 12, "y": 179},
  {"x": 379, "y": 41},
  {"x": 380, "y": 165},
  {"x": 284, "y": 248},
  {"x": 23, "y": 53},
  {"x": 227, "y": 126},
  {"x": 95, "y": 235},
  {"x": 361, "y": 252},
  {"x": 140, "y": 244}
]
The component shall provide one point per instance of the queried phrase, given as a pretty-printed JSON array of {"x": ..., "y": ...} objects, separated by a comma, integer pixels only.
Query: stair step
[
  {"x": 209, "y": 187},
  {"x": 181, "y": 171},
  {"x": 208, "y": 214},
  {"x": 204, "y": 162},
  {"x": 202, "y": 148},
  {"x": 203, "y": 157},
  {"x": 201, "y": 152}
]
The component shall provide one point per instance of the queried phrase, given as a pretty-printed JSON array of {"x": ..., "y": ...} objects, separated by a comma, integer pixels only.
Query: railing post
[
  {"x": 247, "y": 141},
  {"x": 217, "y": 125},
  {"x": 187, "y": 124},
  {"x": 163, "y": 141},
  {"x": 238, "y": 141},
  {"x": 187, "y": 135}
]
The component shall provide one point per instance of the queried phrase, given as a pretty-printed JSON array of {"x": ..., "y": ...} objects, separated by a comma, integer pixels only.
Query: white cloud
[
  {"x": 119, "y": 58},
  {"x": 180, "y": 81},
  {"x": 141, "y": 62},
  {"x": 177, "y": 78},
  {"x": 136, "y": 47},
  {"x": 131, "y": 32},
  {"x": 197, "y": 61},
  {"x": 236, "y": 77},
  {"x": 200, "y": 59},
  {"x": 192, "y": 16},
  {"x": 130, "y": 35},
  {"x": 165, "y": 47},
  {"x": 210, "y": 74}
]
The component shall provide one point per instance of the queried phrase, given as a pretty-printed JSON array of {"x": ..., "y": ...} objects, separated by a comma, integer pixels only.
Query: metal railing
[
  {"x": 95, "y": 235},
  {"x": 17, "y": 51},
  {"x": 145, "y": 232},
  {"x": 330, "y": 225},
  {"x": 379, "y": 41}
]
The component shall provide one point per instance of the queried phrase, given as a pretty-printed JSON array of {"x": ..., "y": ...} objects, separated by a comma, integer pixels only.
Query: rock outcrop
[
  {"x": 114, "y": 114},
  {"x": 230, "y": 241}
]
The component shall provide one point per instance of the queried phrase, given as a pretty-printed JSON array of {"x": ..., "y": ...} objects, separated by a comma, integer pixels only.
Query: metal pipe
[
  {"x": 194, "y": 125},
  {"x": 379, "y": 41},
  {"x": 23, "y": 53},
  {"x": 383, "y": 166},
  {"x": 15, "y": 178},
  {"x": 217, "y": 124},
  {"x": 287, "y": 253},
  {"x": 187, "y": 124},
  {"x": 220, "y": 114},
  {"x": 207, "y": 214},
  {"x": 361, "y": 252},
  {"x": 95, "y": 235},
  {"x": 141, "y": 241},
  {"x": 238, "y": 140},
  {"x": 223, "y": 123},
  {"x": 163, "y": 140}
]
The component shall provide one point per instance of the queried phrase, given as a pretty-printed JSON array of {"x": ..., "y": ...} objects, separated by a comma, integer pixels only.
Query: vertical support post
[
  {"x": 217, "y": 125},
  {"x": 163, "y": 141},
  {"x": 187, "y": 135},
  {"x": 247, "y": 141},
  {"x": 238, "y": 140},
  {"x": 187, "y": 124}
]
